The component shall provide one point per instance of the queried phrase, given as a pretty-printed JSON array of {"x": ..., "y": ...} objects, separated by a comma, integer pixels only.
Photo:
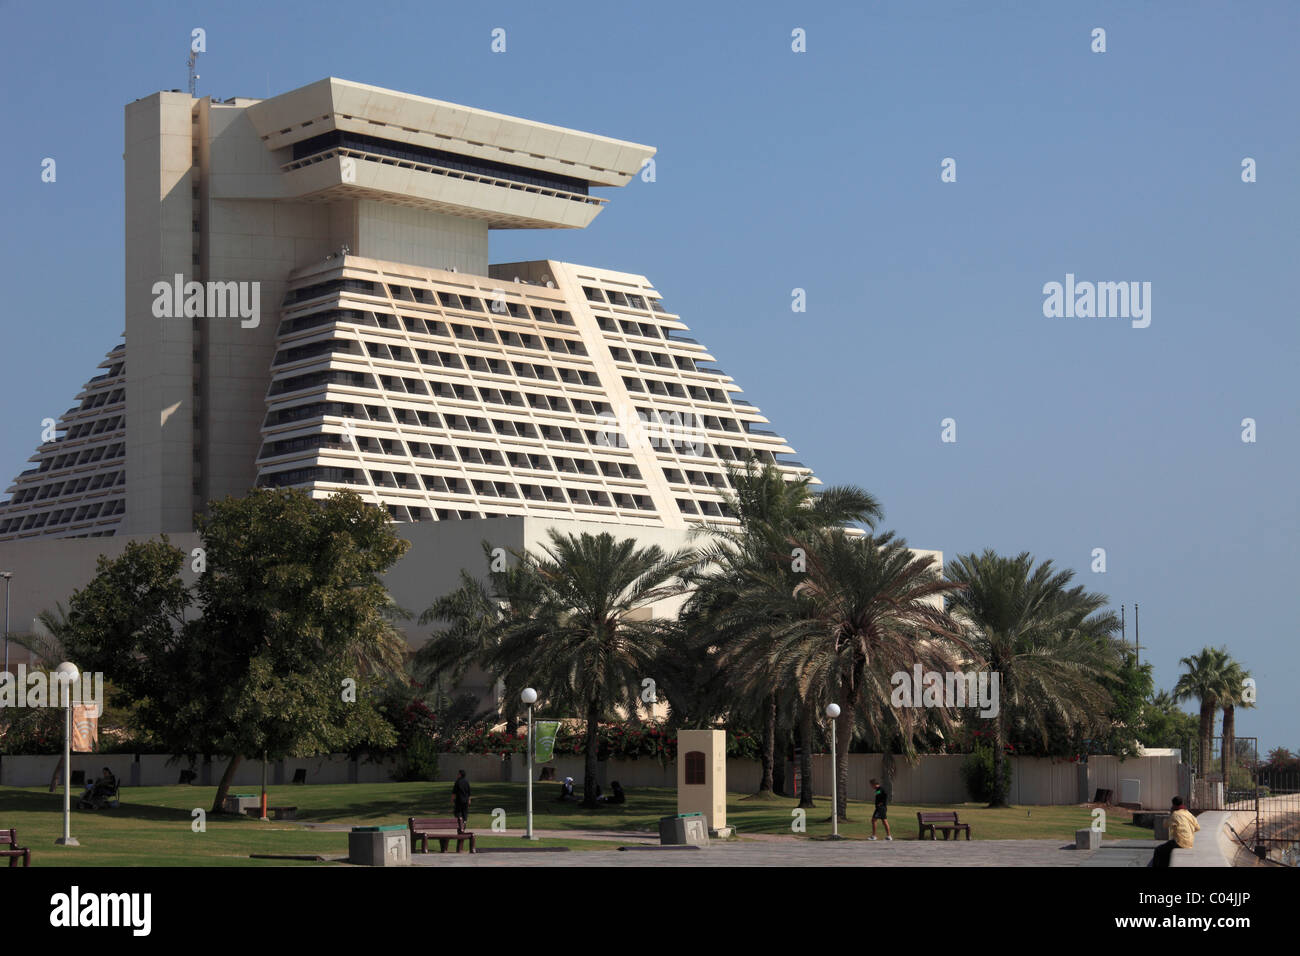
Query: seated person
[
  {"x": 566, "y": 790},
  {"x": 616, "y": 796},
  {"x": 105, "y": 788}
]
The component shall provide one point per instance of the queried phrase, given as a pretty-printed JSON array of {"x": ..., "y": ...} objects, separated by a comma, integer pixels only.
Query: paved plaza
[{"x": 792, "y": 852}]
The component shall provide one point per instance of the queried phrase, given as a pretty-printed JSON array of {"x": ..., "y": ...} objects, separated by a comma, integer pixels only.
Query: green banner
[{"x": 545, "y": 747}]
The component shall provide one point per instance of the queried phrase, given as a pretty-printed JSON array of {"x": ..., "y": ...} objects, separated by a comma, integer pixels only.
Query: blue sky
[{"x": 821, "y": 170}]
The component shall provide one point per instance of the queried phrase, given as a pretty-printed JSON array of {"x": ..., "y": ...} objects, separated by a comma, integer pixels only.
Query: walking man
[
  {"x": 881, "y": 812},
  {"x": 460, "y": 800}
]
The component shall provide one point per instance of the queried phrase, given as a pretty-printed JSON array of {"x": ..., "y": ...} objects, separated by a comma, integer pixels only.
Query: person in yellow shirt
[{"x": 1182, "y": 826}]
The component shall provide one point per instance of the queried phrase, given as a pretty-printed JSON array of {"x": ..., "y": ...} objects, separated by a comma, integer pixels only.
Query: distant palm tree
[
  {"x": 1234, "y": 696},
  {"x": 1049, "y": 644},
  {"x": 590, "y": 639},
  {"x": 1208, "y": 681}
]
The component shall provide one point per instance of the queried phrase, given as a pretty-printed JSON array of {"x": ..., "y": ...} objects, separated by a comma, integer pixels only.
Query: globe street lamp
[
  {"x": 529, "y": 697},
  {"x": 67, "y": 674},
  {"x": 833, "y": 711}
]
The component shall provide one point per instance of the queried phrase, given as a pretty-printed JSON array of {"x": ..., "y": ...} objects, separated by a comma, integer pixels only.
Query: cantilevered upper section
[{"x": 336, "y": 140}]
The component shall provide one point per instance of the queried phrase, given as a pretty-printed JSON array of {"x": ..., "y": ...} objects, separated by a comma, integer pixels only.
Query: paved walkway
[{"x": 819, "y": 853}]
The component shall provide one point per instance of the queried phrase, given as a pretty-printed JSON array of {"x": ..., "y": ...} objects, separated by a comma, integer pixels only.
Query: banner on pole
[
  {"x": 85, "y": 728},
  {"x": 544, "y": 749}
]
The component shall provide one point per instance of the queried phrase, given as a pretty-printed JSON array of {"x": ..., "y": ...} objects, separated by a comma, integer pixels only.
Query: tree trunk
[
  {"x": 767, "y": 753},
  {"x": 593, "y": 747},
  {"x": 1229, "y": 744},
  {"x": 843, "y": 738},
  {"x": 805, "y": 756},
  {"x": 887, "y": 769},
  {"x": 1207, "y": 733},
  {"x": 999, "y": 763},
  {"x": 780, "y": 755},
  {"x": 223, "y": 787},
  {"x": 58, "y": 774}
]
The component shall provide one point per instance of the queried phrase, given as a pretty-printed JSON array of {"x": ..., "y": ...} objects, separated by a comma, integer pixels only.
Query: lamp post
[
  {"x": 8, "y": 576},
  {"x": 67, "y": 675},
  {"x": 529, "y": 697},
  {"x": 833, "y": 711}
]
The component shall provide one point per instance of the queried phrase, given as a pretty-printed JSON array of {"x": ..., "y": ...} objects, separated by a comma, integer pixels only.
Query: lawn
[{"x": 153, "y": 827}]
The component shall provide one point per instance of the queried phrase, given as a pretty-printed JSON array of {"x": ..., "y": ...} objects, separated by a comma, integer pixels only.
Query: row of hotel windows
[
  {"x": 102, "y": 398},
  {"x": 416, "y": 386},
  {"x": 433, "y": 327},
  {"x": 399, "y": 353},
  {"x": 458, "y": 453},
  {"x": 676, "y": 390},
  {"x": 432, "y": 298},
  {"x": 451, "y": 391},
  {"x": 657, "y": 359},
  {"x": 99, "y": 509},
  {"x": 675, "y": 419},
  {"x": 93, "y": 427},
  {"x": 105, "y": 452},
  {"x": 114, "y": 370},
  {"x": 608, "y": 438},
  {"x": 56, "y": 488},
  {"x": 645, "y": 330},
  {"x": 458, "y": 486},
  {"x": 626, "y": 299}
]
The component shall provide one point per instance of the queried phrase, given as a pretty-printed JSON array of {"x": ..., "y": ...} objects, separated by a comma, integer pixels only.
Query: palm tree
[
  {"x": 590, "y": 640},
  {"x": 771, "y": 510},
  {"x": 1207, "y": 680},
  {"x": 1234, "y": 696},
  {"x": 47, "y": 646},
  {"x": 476, "y": 613},
  {"x": 1047, "y": 642},
  {"x": 865, "y": 608}
]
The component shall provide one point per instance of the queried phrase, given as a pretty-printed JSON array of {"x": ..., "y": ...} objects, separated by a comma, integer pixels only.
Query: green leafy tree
[
  {"x": 278, "y": 647},
  {"x": 1165, "y": 724}
]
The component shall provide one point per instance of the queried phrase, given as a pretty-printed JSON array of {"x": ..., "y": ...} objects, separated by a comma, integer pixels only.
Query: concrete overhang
[{"x": 333, "y": 104}]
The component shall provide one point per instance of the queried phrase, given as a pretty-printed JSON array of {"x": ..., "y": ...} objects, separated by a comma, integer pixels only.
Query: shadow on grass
[{"x": 24, "y": 801}]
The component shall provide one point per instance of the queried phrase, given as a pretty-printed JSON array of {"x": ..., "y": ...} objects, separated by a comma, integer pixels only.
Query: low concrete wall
[
  {"x": 1213, "y": 845},
  {"x": 1035, "y": 781},
  {"x": 935, "y": 778},
  {"x": 158, "y": 770}
]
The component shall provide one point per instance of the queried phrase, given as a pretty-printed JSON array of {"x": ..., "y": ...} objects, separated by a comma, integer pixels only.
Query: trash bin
[
  {"x": 379, "y": 846},
  {"x": 682, "y": 829},
  {"x": 241, "y": 803}
]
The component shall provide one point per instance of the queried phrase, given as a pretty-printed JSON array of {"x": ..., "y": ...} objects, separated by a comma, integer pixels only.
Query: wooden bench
[
  {"x": 442, "y": 829},
  {"x": 283, "y": 813},
  {"x": 946, "y": 821},
  {"x": 9, "y": 847}
]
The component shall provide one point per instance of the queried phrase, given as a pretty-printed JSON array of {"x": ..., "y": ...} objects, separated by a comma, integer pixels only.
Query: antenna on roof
[{"x": 192, "y": 61}]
